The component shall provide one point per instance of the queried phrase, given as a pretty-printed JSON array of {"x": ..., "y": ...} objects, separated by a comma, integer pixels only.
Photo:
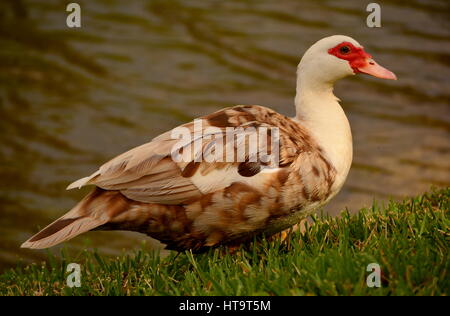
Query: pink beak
[{"x": 373, "y": 69}]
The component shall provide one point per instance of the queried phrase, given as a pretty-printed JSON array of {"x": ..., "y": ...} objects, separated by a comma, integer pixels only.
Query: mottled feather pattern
[{"x": 162, "y": 198}]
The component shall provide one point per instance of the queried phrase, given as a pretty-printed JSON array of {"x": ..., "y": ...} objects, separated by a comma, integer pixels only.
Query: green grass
[{"x": 409, "y": 240}]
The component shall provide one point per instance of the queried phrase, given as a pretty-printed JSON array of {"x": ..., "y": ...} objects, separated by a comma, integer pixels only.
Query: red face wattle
[{"x": 360, "y": 61}]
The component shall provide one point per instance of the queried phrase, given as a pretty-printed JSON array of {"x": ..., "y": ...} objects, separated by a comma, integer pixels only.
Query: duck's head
[{"x": 339, "y": 56}]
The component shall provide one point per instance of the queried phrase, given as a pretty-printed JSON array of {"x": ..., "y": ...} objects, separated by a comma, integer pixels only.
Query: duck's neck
[{"x": 318, "y": 109}]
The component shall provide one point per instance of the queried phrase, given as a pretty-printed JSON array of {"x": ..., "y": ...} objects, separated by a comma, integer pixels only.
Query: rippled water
[{"x": 71, "y": 99}]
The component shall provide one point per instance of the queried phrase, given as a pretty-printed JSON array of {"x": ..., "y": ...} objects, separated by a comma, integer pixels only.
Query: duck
[{"x": 183, "y": 190}]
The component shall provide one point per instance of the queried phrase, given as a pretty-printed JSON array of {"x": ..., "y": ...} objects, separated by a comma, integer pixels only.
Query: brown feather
[{"x": 193, "y": 205}]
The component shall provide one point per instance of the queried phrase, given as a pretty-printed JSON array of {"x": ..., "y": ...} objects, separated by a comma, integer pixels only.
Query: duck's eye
[{"x": 344, "y": 49}]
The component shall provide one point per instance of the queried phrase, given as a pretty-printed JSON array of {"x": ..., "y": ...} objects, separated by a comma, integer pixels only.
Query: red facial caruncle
[
  {"x": 356, "y": 56},
  {"x": 360, "y": 61}
]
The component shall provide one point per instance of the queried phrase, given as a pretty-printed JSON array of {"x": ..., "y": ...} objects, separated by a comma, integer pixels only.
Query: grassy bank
[{"x": 410, "y": 241}]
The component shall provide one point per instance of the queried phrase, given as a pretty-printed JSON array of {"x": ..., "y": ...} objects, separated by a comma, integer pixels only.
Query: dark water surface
[{"x": 71, "y": 99}]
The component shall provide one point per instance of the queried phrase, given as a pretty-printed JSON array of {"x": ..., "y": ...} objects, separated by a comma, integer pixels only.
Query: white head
[
  {"x": 336, "y": 57},
  {"x": 325, "y": 62}
]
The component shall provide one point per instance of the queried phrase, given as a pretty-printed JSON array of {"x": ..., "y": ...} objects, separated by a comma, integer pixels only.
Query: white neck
[{"x": 318, "y": 109}]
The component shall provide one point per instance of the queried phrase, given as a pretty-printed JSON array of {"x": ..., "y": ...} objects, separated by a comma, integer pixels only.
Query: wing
[{"x": 184, "y": 164}]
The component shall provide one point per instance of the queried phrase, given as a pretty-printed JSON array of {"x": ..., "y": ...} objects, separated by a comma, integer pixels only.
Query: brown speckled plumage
[{"x": 144, "y": 190}]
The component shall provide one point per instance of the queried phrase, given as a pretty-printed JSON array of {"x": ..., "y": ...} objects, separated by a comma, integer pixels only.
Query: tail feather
[
  {"x": 90, "y": 213},
  {"x": 62, "y": 230}
]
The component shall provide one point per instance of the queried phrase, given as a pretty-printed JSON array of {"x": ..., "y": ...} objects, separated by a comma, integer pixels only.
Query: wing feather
[{"x": 149, "y": 174}]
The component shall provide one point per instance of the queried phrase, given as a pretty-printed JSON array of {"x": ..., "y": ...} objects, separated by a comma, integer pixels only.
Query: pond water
[{"x": 71, "y": 99}]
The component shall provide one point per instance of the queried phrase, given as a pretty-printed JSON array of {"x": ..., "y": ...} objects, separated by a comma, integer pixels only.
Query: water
[{"x": 71, "y": 99}]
